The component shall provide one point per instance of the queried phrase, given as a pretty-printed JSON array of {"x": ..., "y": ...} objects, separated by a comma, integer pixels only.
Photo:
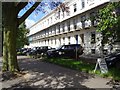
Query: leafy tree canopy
[
  {"x": 22, "y": 36},
  {"x": 109, "y": 22}
]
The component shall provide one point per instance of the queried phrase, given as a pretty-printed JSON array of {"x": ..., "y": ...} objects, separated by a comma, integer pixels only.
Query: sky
[{"x": 34, "y": 16}]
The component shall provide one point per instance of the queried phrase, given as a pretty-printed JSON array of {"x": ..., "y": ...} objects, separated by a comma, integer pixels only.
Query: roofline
[{"x": 44, "y": 17}]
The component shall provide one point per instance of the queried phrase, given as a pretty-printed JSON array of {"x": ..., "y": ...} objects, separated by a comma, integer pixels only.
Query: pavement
[{"x": 46, "y": 75}]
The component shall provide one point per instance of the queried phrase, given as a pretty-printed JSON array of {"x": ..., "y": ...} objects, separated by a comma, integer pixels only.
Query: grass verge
[
  {"x": 73, "y": 64},
  {"x": 84, "y": 67}
]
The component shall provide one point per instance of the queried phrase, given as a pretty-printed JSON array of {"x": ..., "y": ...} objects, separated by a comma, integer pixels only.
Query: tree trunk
[
  {"x": 10, "y": 25},
  {"x": 5, "y": 52}
]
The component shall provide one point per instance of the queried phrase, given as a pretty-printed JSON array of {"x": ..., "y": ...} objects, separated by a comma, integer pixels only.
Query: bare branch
[{"x": 22, "y": 19}]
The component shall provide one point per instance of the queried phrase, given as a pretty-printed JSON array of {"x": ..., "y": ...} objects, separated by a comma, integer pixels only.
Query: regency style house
[{"x": 72, "y": 27}]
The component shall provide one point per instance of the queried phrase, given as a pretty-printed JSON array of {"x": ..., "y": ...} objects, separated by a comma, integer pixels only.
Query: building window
[
  {"x": 51, "y": 31},
  {"x": 63, "y": 27},
  {"x": 75, "y": 8},
  {"x": 75, "y": 23},
  {"x": 48, "y": 21},
  {"x": 83, "y": 4},
  {"x": 48, "y": 41},
  {"x": 55, "y": 41},
  {"x": 58, "y": 28},
  {"x": 69, "y": 40},
  {"x": 92, "y": 37},
  {"x": 76, "y": 38},
  {"x": 93, "y": 18},
  {"x": 51, "y": 19},
  {"x": 51, "y": 41},
  {"x": 68, "y": 25},
  {"x": 55, "y": 29},
  {"x": 58, "y": 14},
  {"x": 63, "y": 40},
  {"x": 59, "y": 41},
  {"x": 48, "y": 32},
  {"x": 63, "y": 13},
  {"x": 83, "y": 18},
  {"x": 68, "y": 12},
  {"x": 82, "y": 37},
  {"x": 93, "y": 51}
]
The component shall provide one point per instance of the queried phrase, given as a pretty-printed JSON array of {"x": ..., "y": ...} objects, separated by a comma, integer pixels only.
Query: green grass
[
  {"x": 85, "y": 67},
  {"x": 73, "y": 64},
  {"x": 113, "y": 73}
]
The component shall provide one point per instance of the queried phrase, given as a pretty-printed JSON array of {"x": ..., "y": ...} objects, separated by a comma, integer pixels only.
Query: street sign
[{"x": 102, "y": 64}]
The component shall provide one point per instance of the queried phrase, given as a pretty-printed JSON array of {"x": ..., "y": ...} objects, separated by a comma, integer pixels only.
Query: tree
[
  {"x": 22, "y": 36},
  {"x": 109, "y": 23},
  {"x": 10, "y": 24}
]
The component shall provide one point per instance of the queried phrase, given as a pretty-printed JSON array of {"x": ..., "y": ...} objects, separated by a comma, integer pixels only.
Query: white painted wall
[{"x": 59, "y": 36}]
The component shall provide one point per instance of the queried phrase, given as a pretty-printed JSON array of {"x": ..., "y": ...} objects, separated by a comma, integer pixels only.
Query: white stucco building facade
[{"x": 73, "y": 27}]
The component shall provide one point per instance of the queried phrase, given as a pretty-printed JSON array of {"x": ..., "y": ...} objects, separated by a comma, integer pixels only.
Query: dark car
[
  {"x": 72, "y": 50},
  {"x": 44, "y": 49},
  {"x": 113, "y": 60},
  {"x": 27, "y": 50},
  {"x": 33, "y": 51},
  {"x": 39, "y": 50},
  {"x": 21, "y": 51}
]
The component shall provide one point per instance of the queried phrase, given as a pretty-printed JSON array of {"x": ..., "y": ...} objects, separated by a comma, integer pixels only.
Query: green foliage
[
  {"x": 22, "y": 36},
  {"x": 109, "y": 22}
]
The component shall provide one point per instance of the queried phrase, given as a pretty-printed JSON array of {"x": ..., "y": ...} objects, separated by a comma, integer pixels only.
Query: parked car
[
  {"x": 33, "y": 51},
  {"x": 39, "y": 50},
  {"x": 21, "y": 51},
  {"x": 25, "y": 52},
  {"x": 113, "y": 60},
  {"x": 44, "y": 49},
  {"x": 72, "y": 50}
]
